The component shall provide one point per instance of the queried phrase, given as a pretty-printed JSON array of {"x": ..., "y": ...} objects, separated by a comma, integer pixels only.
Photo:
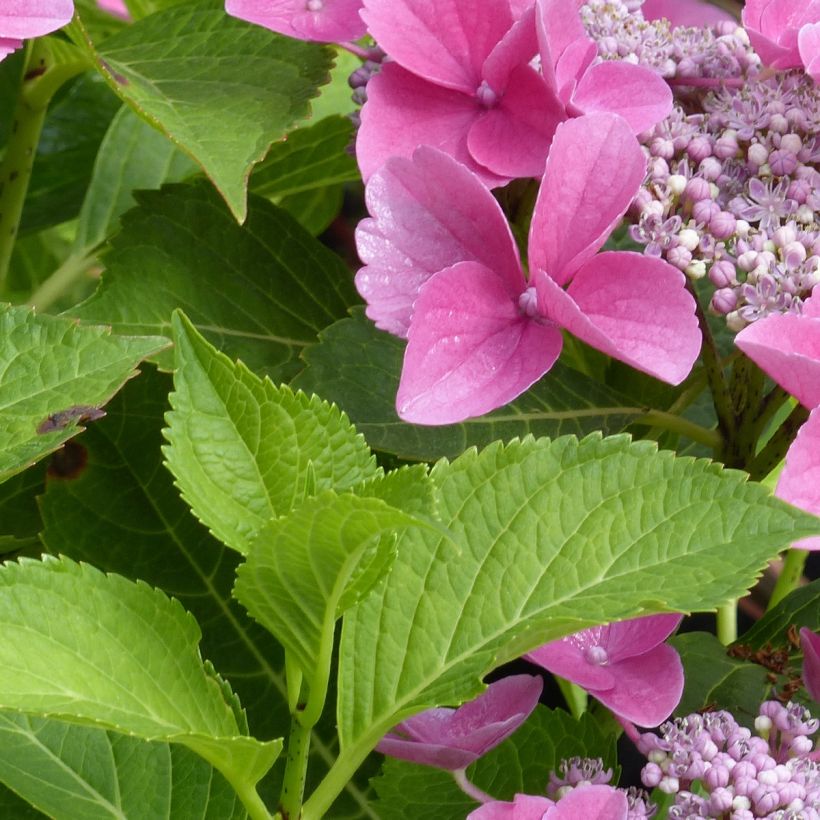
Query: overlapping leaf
[{"x": 798, "y": 609}]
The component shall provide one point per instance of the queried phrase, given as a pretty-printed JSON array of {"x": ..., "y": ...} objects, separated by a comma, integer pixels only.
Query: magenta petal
[
  {"x": 469, "y": 348},
  {"x": 559, "y": 25},
  {"x": 8, "y": 46},
  {"x": 518, "y": 46},
  {"x": 627, "y": 639},
  {"x": 685, "y": 12},
  {"x": 336, "y": 21},
  {"x": 635, "y": 92},
  {"x": 446, "y": 41},
  {"x": 403, "y": 112},
  {"x": 648, "y": 687},
  {"x": 594, "y": 169},
  {"x": 24, "y": 19},
  {"x": 513, "y": 139},
  {"x": 809, "y": 45},
  {"x": 632, "y": 307},
  {"x": 590, "y": 803},
  {"x": 810, "y": 643},
  {"x": 769, "y": 24},
  {"x": 523, "y": 807},
  {"x": 429, "y": 213},
  {"x": 567, "y": 659},
  {"x": 787, "y": 348},
  {"x": 799, "y": 483},
  {"x": 427, "y": 754}
]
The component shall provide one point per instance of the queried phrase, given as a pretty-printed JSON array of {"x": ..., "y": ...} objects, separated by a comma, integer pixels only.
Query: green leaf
[
  {"x": 219, "y": 88},
  {"x": 118, "y": 655},
  {"x": 548, "y": 537},
  {"x": 54, "y": 374},
  {"x": 798, "y": 609},
  {"x": 358, "y": 367},
  {"x": 521, "y": 764},
  {"x": 314, "y": 210},
  {"x": 260, "y": 292},
  {"x": 306, "y": 568},
  {"x": 335, "y": 98},
  {"x": 132, "y": 156},
  {"x": 311, "y": 157},
  {"x": 714, "y": 679},
  {"x": 13, "y": 806},
  {"x": 75, "y": 772},
  {"x": 242, "y": 449}
]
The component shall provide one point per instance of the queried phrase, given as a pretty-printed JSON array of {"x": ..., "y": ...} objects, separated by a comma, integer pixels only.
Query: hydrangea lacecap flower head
[
  {"x": 810, "y": 643},
  {"x": 24, "y": 19},
  {"x": 326, "y": 21},
  {"x": 685, "y": 12},
  {"x": 587, "y": 802},
  {"x": 787, "y": 348},
  {"x": 785, "y": 33},
  {"x": 635, "y": 92},
  {"x": 454, "y": 738},
  {"x": 627, "y": 666},
  {"x": 460, "y": 80},
  {"x": 442, "y": 268}
]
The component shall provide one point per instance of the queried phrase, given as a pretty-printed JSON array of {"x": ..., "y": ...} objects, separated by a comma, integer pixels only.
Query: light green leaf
[
  {"x": 798, "y": 609},
  {"x": 358, "y": 367},
  {"x": 305, "y": 569},
  {"x": 242, "y": 449},
  {"x": 260, "y": 292},
  {"x": 335, "y": 98},
  {"x": 75, "y": 772},
  {"x": 221, "y": 89},
  {"x": 548, "y": 537},
  {"x": 53, "y": 374},
  {"x": 97, "y": 649}
]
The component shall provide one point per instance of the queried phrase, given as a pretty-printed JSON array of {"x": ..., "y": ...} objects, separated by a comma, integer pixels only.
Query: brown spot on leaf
[
  {"x": 69, "y": 462},
  {"x": 61, "y": 420}
]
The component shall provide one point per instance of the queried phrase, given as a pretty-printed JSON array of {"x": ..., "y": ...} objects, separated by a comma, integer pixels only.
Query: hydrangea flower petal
[
  {"x": 470, "y": 349},
  {"x": 799, "y": 483},
  {"x": 594, "y": 169},
  {"x": 523, "y": 807},
  {"x": 685, "y": 12},
  {"x": 773, "y": 27},
  {"x": 326, "y": 21},
  {"x": 591, "y": 803},
  {"x": 8, "y": 46},
  {"x": 810, "y": 643},
  {"x": 631, "y": 638},
  {"x": 808, "y": 44},
  {"x": 24, "y": 19},
  {"x": 426, "y": 211},
  {"x": 558, "y": 26}
]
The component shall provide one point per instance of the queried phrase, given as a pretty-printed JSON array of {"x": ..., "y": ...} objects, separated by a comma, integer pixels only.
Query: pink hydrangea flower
[
  {"x": 326, "y": 21},
  {"x": 810, "y": 643},
  {"x": 785, "y": 33},
  {"x": 442, "y": 268},
  {"x": 115, "y": 7},
  {"x": 460, "y": 81},
  {"x": 583, "y": 803},
  {"x": 627, "y": 666},
  {"x": 787, "y": 348},
  {"x": 693, "y": 13},
  {"x": 452, "y": 739},
  {"x": 24, "y": 19},
  {"x": 637, "y": 93}
]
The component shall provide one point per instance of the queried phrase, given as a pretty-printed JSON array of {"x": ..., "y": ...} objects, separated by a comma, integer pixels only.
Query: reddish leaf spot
[{"x": 69, "y": 462}]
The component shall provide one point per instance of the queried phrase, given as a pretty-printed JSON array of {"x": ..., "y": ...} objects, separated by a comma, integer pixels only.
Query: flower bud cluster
[{"x": 740, "y": 775}]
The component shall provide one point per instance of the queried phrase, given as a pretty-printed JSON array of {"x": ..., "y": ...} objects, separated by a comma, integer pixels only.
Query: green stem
[
  {"x": 727, "y": 623},
  {"x": 769, "y": 406},
  {"x": 775, "y": 451},
  {"x": 577, "y": 699},
  {"x": 678, "y": 424},
  {"x": 746, "y": 390},
  {"x": 53, "y": 288},
  {"x": 790, "y": 575},
  {"x": 334, "y": 782},
  {"x": 293, "y": 676},
  {"x": 293, "y": 785}
]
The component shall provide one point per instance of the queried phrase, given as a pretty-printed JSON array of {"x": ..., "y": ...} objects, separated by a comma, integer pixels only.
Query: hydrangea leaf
[
  {"x": 120, "y": 656},
  {"x": 182, "y": 249},
  {"x": 547, "y": 537},
  {"x": 798, "y": 609},
  {"x": 244, "y": 451},
  {"x": 220, "y": 89},
  {"x": 519, "y": 765},
  {"x": 54, "y": 374},
  {"x": 73, "y": 772},
  {"x": 358, "y": 366},
  {"x": 124, "y": 515}
]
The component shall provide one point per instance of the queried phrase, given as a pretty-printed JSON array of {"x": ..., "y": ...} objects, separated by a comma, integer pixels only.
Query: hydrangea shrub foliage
[{"x": 362, "y": 453}]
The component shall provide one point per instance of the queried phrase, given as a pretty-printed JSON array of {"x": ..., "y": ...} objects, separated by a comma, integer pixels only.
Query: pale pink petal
[
  {"x": 513, "y": 139},
  {"x": 470, "y": 350},
  {"x": 24, "y": 19},
  {"x": 559, "y": 25},
  {"x": 590, "y": 803},
  {"x": 627, "y": 639},
  {"x": 568, "y": 658},
  {"x": 799, "y": 483},
  {"x": 404, "y": 111},
  {"x": 115, "y": 7},
  {"x": 632, "y": 307},
  {"x": 446, "y": 41},
  {"x": 438, "y": 755},
  {"x": 523, "y": 807},
  {"x": 769, "y": 26},
  {"x": 331, "y": 22},
  {"x": 811, "y": 307},
  {"x": 635, "y": 92},
  {"x": 8, "y": 46},
  {"x": 594, "y": 169},
  {"x": 429, "y": 213},
  {"x": 787, "y": 348},
  {"x": 808, "y": 42},
  {"x": 810, "y": 643},
  {"x": 685, "y": 12}
]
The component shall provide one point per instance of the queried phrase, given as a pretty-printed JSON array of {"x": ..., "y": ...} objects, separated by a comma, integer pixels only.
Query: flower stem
[
  {"x": 790, "y": 575},
  {"x": 293, "y": 785},
  {"x": 678, "y": 424},
  {"x": 577, "y": 699},
  {"x": 469, "y": 788},
  {"x": 775, "y": 450},
  {"x": 727, "y": 623},
  {"x": 59, "y": 282}
]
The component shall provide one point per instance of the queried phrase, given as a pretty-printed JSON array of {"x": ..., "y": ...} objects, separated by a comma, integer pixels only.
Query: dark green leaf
[{"x": 798, "y": 609}]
